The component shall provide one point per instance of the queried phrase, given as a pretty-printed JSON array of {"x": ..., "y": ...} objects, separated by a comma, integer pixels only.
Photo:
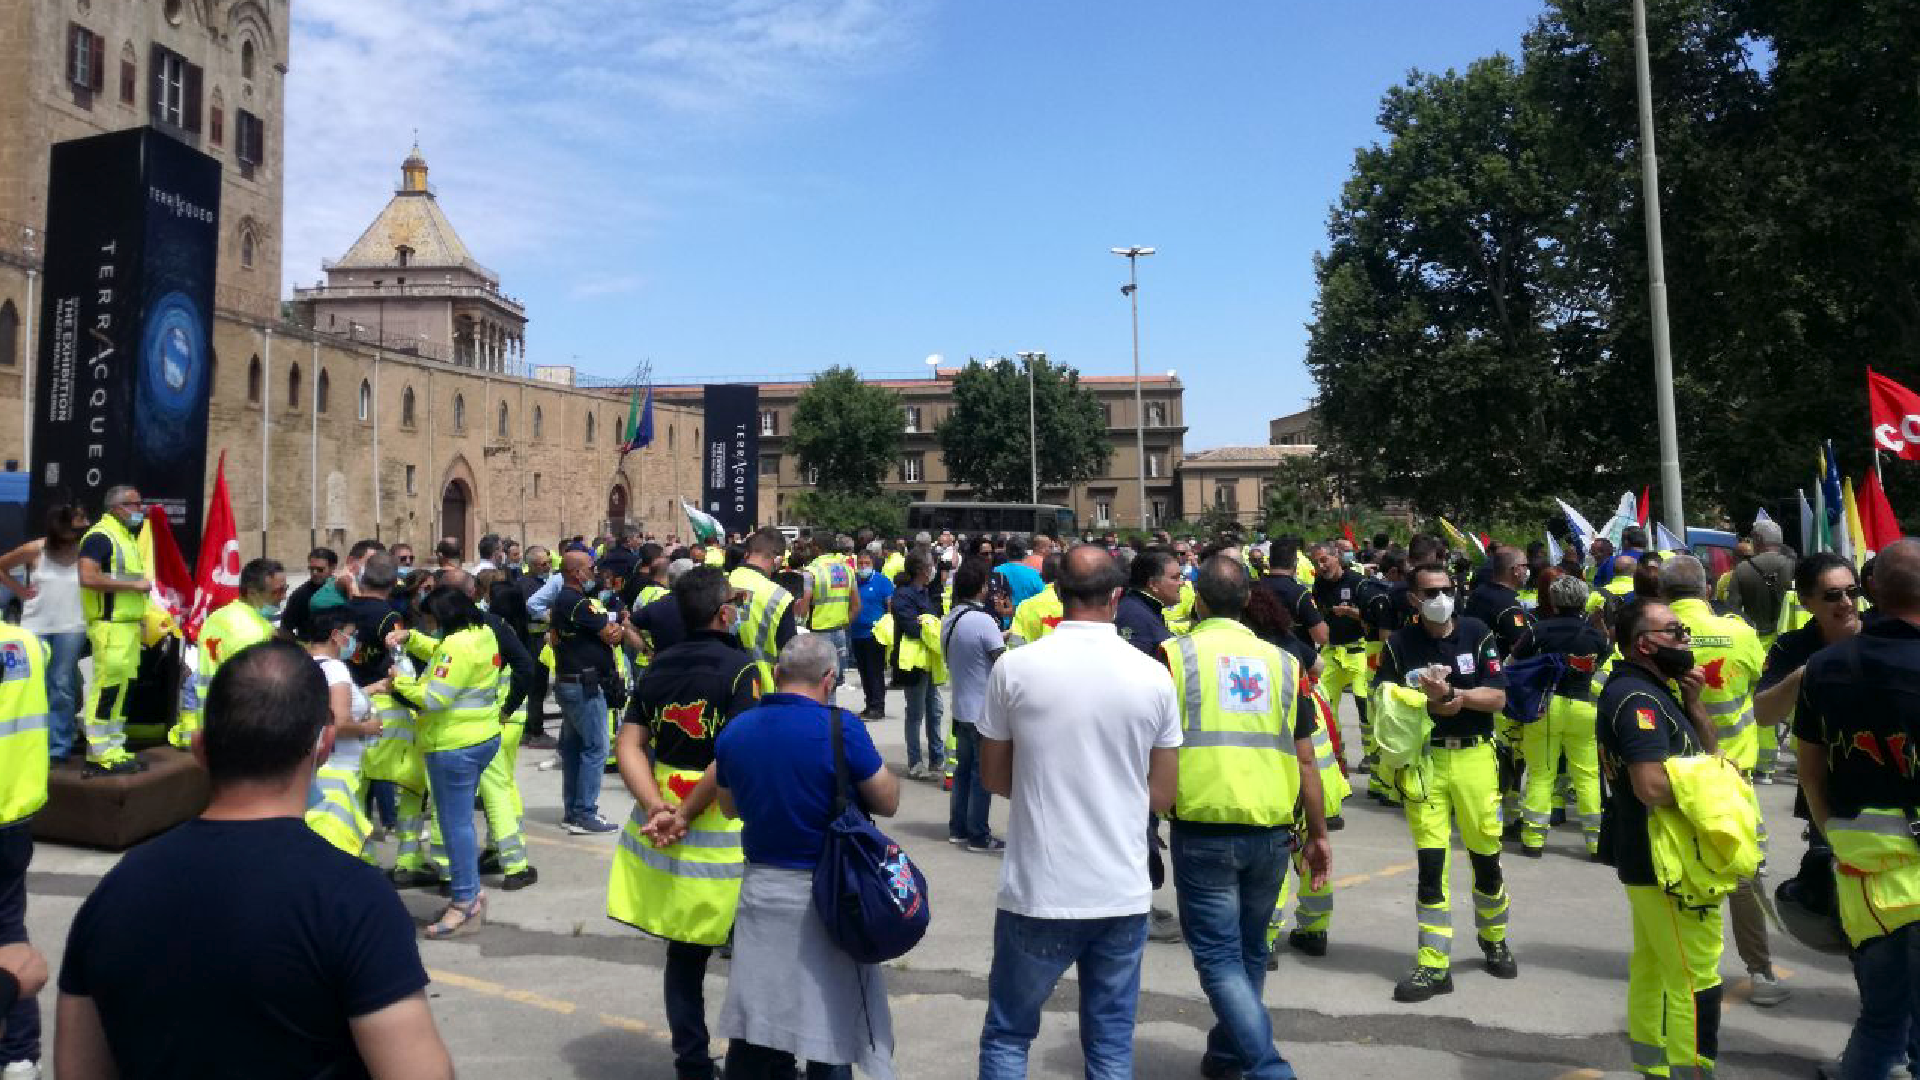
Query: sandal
[{"x": 459, "y": 920}]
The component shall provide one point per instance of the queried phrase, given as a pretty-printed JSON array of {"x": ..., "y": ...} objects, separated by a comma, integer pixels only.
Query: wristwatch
[{"x": 1451, "y": 694}]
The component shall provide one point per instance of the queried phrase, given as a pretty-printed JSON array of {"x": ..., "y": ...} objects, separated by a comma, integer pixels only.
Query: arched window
[
  {"x": 293, "y": 386},
  {"x": 366, "y": 399},
  {"x": 536, "y": 485},
  {"x": 669, "y": 437},
  {"x": 322, "y": 389},
  {"x": 9, "y": 334},
  {"x": 539, "y": 419},
  {"x": 253, "y": 381},
  {"x": 406, "y": 408},
  {"x": 503, "y": 420},
  {"x": 619, "y": 431},
  {"x": 590, "y": 423},
  {"x": 459, "y": 412},
  {"x": 246, "y": 58},
  {"x": 246, "y": 248}
]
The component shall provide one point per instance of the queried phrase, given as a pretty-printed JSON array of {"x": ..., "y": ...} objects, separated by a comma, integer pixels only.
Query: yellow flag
[
  {"x": 1461, "y": 540},
  {"x": 1857, "y": 535}
]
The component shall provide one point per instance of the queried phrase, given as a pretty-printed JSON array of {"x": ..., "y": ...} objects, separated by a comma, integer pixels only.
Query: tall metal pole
[
  {"x": 1657, "y": 283},
  {"x": 1139, "y": 409},
  {"x": 1033, "y": 438},
  {"x": 266, "y": 425},
  {"x": 27, "y": 364}
]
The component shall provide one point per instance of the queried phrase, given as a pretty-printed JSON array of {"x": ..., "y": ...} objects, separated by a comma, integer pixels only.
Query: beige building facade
[
  {"x": 1233, "y": 480},
  {"x": 331, "y": 431},
  {"x": 1111, "y": 499}
]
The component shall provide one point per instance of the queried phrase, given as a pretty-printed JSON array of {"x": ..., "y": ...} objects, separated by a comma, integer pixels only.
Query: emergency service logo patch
[
  {"x": 690, "y": 718},
  {"x": 1463, "y": 663},
  {"x": 1241, "y": 685},
  {"x": 15, "y": 666},
  {"x": 1645, "y": 719}
]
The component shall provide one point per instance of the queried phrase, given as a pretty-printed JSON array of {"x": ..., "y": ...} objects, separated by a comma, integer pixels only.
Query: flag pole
[{"x": 1657, "y": 281}]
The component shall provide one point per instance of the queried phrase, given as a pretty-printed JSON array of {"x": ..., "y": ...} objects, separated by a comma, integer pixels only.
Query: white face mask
[{"x": 1437, "y": 609}]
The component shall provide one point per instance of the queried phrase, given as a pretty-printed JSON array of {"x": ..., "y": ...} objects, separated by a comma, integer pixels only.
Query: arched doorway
[
  {"x": 616, "y": 507},
  {"x": 455, "y": 502}
]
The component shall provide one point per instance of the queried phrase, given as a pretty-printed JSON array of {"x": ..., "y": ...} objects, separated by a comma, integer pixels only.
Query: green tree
[
  {"x": 984, "y": 439},
  {"x": 842, "y": 512},
  {"x": 849, "y": 431}
]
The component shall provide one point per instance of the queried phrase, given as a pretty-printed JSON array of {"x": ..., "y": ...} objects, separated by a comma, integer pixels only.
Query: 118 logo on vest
[{"x": 1241, "y": 684}]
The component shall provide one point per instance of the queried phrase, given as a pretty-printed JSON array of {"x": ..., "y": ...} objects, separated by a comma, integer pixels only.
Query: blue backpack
[
  {"x": 872, "y": 898},
  {"x": 1530, "y": 682}
]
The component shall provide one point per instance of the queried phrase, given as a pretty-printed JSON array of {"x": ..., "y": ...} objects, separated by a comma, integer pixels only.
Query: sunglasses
[
  {"x": 404, "y": 560},
  {"x": 1850, "y": 593},
  {"x": 1679, "y": 632},
  {"x": 1436, "y": 590}
]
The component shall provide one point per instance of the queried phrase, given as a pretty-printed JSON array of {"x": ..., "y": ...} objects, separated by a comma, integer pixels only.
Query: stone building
[
  {"x": 921, "y": 474},
  {"x": 1233, "y": 480},
  {"x": 331, "y": 432}
]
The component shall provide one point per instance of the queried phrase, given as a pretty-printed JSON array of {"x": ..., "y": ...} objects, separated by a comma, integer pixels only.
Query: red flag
[
  {"x": 171, "y": 585},
  {"x": 1876, "y": 514},
  {"x": 1646, "y": 502},
  {"x": 1895, "y": 412},
  {"x": 1346, "y": 527},
  {"x": 216, "y": 580},
  {"x": 1485, "y": 541}
]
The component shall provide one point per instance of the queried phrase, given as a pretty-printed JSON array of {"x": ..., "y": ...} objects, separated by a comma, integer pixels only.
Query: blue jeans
[
  {"x": 923, "y": 707},
  {"x": 1227, "y": 887},
  {"x": 1887, "y": 970},
  {"x": 967, "y": 816},
  {"x": 454, "y": 778},
  {"x": 843, "y": 656},
  {"x": 583, "y": 747},
  {"x": 1029, "y": 956},
  {"x": 21, "y": 1038},
  {"x": 63, "y": 692}
]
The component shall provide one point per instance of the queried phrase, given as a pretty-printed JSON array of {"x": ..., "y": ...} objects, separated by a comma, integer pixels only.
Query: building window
[
  {"x": 217, "y": 118},
  {"x": 406, "y": 415},
  {"x": 619, "y": 431},
  {"x": 501, "y": 424},
  {"x": 669, "y": 437},
  {"x": 539, "y": 421},
  {"x": 293, "y": 386},
  {"x": 769, "y": 422},
  {"x": 769, "y": 464},
  {"x": 536, "y": 485},
  {"x": 246, "y": 58},
  {"x": 253, "y": 381},
  {"x": 249, "y": 141},
  {"x": 459, "y": 412},
  {"x": 1226, "y": 494},
  {"x": 913, "y": 468},
  {"x": 86, "y": 63},
  {"x": 1156, "y": 414},
  {"x": 410, "y": 488},
  {"x": 813, "y": 477},
  {"x": 913, "y": 418},
  {"x": 1153, "y": 466},
  {"x": 1159, "y": 512},
  {"x": 591, "y": 421},
  {"x": 1102, "y": 510},
  {"x": 322, "y": 390},
  {"x": 129, "y": 74},
  {"x": 246, "y": 248},
  {"x": 9, "y": 334},
  {"x": 1106, "y": 414},
  {"x": 176, "y": 91},
  {"x": 366, "y": 399}
]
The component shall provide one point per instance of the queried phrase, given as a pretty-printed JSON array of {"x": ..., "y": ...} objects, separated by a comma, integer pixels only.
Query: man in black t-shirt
[
  {"x": 1673, "y": 978},
  {"x": 1457, "y": 664},
  {"x": 1340, "y": 593},
  {"x": 1283, "y": 559},
  {"x": 585, "y": 634},
  {"x": 679, "y": 707},
  {"x": 303, "y": 965}
]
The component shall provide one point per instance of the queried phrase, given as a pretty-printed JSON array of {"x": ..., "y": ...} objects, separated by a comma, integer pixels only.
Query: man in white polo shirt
[{"x": 1081, "y": 734}]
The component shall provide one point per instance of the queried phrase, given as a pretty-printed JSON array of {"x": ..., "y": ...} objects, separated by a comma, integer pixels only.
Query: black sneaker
[
  {"x": 413, "y": 879},
  {"x": 1423, "y": 984},
  {"x": 1512, "y": 832},
  {"x": 1532, "y": 852},
  {"x": 1500, "y": 962},
  {"x": 992, "y": 845},
  {"x": 1214, "y": 1068},
  {"x": 520, "y": 879},
  {"x": 1557, "y": 818},
  {"x": 123, "y": 767},
  {"x": 1336, "y": 823},
  {"x": 490, "y": 862},
  {"x": 540, "y": 741},
  {"x": 1311, "y": 942}
]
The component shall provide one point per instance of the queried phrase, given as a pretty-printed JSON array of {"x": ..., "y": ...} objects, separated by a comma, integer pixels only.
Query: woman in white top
[
  {"x": 329, "y": 634},
  {"x": 49, "y": 588}
]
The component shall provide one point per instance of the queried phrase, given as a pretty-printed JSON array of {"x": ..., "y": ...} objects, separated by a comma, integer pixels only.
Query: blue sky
[{"x": 756, "y": 187}]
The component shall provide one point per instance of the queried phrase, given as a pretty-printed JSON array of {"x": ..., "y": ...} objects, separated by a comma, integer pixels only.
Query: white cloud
[{"x": 540, "y": 117}]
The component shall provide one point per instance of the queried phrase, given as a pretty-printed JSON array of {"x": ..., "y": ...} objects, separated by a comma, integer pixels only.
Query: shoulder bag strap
[{"x": 835, "y": 738}]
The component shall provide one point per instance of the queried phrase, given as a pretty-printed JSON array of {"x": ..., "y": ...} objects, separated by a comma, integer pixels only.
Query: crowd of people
[{"x": 1158, "y": 714}]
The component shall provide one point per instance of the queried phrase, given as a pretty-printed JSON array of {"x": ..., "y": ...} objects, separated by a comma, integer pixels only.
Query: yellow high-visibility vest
[
  {"x": 760, "y": 623},
  {"x": 232, "y": 628},
  {"x": 458, "y": 696},
  {"x": 1036, "y": 617},
  {"x": 1237, "y": 698},
  {"x": 1728, "y": 650},
  {"x": 687, "y": 892},
  {"x": 23, "y": 724},
  {"x": 128, "y": 607},
  {"x": 833, "y": 586}
]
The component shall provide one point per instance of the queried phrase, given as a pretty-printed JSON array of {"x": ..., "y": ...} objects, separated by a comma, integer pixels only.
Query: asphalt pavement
[{"x": 553, "y": 988}]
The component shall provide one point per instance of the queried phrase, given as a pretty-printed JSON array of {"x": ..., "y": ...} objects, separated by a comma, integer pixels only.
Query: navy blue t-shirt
[
  {"x": 777, "y": 762},
  {"x": 240, "y": 949}
]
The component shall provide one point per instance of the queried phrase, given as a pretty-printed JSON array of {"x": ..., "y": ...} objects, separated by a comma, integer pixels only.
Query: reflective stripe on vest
[
  {"x": 685, "y": 868},
  {"x": 128, "y": 607},
  {"x": 761, "y": 622}
]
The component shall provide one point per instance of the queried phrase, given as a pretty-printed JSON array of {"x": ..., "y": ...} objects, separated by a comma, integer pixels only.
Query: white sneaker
[
  {"x": 1767, "y": 990},
  {"x": 20, "y": 1070}
]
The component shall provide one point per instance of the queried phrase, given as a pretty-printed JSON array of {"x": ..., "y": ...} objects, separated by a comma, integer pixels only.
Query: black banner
[
  {"x": 730, "y": 459},
  {"x": 126, "y": 356}
]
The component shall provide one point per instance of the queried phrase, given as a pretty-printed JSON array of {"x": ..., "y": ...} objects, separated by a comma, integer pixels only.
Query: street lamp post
[
  {"x": 1033, "y": 441},
  {"x": 1131, "y": 290},
  {"x": 1657, "y": 282}
]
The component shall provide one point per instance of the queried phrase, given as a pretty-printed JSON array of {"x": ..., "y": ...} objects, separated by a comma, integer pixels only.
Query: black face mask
[{"x": 1673, "y": 661}]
